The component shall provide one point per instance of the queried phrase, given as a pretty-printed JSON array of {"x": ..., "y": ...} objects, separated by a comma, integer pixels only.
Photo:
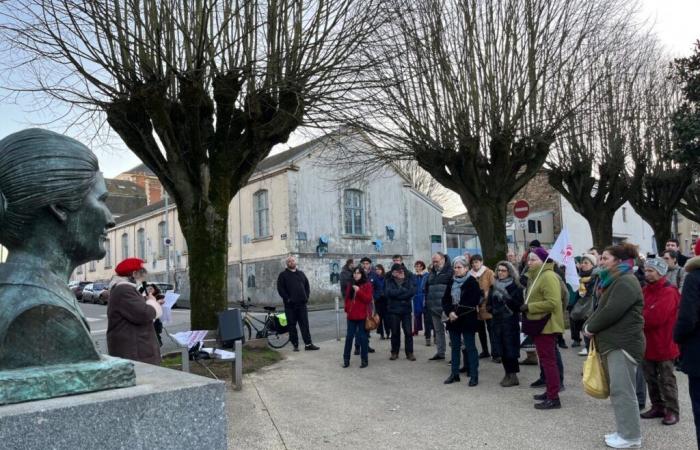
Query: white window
[
  {"x": 125, "y": 245},
  {"x": 261, "y": 218},
  {"x": 108, "y": 254},
  {"x": 141, "y": 244},
  {"x": 92, "y": 266},
  {"x": 162, "y": 248},
  {"x": 624, "y": 214},
  {"x": 354, "y": 212}
]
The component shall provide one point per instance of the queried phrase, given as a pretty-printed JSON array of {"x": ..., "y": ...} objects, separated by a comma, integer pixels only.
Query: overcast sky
[{"x": 676, "y": 23}]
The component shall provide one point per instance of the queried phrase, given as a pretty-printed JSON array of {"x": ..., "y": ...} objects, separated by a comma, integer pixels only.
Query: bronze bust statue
[{"x": 53, "y": 218}]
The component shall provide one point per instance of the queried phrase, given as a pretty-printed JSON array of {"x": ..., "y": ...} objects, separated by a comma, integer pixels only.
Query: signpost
[{"x": 521, "y": 209}]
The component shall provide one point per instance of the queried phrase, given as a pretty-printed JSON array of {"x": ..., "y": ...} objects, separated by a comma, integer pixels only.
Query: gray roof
[
  {"x": 134, "y": 213},
  {"x": 291, "y": 154}
]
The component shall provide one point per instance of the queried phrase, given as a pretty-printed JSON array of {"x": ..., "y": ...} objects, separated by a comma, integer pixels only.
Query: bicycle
[{"x": 276, "y": 338}]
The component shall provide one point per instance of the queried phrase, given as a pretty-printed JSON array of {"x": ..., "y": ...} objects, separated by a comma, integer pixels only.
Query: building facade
[{"x": 292, "y": 205}]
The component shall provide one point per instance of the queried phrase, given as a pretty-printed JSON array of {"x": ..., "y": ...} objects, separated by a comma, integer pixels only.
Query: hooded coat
[
  {"x": 661, "y": 301},
  {"x": 687, "y": 330}
]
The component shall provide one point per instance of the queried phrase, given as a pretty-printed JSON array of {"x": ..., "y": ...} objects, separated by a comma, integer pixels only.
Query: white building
[{"x": 292, "y": 204}]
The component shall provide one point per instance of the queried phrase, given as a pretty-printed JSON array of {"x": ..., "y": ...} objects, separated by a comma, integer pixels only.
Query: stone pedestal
[{"x": 165, "y": 409}]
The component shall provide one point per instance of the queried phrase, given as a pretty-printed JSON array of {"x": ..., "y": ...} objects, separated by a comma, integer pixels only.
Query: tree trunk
[
  {"x": 662, "y": 232},
  {"x": 601, "y": 224},
  {"x": 206, "y": 232},
  {"x": 490, "y": 223}
]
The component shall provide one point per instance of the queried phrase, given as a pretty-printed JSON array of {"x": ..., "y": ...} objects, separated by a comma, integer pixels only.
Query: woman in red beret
[{"x": 130, "y": 316}]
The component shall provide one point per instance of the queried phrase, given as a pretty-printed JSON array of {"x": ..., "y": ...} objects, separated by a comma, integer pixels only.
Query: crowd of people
[{"x": 642, "y": 313}]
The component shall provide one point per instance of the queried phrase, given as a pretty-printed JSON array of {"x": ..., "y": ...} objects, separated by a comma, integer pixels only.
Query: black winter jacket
[
  {"x": 687, "y": 330},
  {"x": 466, "y": 310},
  {"x": 399, "y": 296},
  {"x": 293, "y": 287},
  {"x": 435, "y": 287},
  {"x": 507, "y": 308}
]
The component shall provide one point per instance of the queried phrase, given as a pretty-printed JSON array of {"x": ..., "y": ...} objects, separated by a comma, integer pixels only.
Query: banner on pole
[{"x": 563, "y": 253}]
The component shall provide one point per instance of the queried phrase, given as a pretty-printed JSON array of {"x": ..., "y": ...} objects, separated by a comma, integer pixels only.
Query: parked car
[
  {"x": 97, "y": 292},
  {"x": 78, "y": 289}
]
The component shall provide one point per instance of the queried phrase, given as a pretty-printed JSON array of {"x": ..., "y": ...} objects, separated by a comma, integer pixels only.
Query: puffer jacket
[
  {"x": 661, "y": 300},
  {"x": 687, "y": 330},
  {"x": 436, "y": 285}
]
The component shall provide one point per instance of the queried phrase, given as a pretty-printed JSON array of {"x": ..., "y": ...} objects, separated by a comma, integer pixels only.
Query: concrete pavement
[{"x": 307, "y": 401}]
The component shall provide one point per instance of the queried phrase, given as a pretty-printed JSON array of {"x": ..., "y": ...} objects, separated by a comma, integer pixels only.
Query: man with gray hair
[
  {"x": 439, "y": 276},
  {"x": 293, "y": 287}
]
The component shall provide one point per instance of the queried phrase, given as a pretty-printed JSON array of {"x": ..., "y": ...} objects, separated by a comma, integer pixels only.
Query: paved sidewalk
[{"x": 308, "y": 401}]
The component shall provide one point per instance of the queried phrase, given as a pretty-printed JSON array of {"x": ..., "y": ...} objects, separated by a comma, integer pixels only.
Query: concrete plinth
[{"x": 166, "y": 409}]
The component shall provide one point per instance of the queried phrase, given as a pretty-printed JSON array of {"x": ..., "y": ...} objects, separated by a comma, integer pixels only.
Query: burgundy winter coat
[
  {"x": 358, "y": 308},
  {"x": 661, "y": 300}
]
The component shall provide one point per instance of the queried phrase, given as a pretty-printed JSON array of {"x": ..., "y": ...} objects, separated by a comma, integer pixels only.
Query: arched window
[
  {"x": 162, "y": 248},
  {"x": 108, "y": 254},
  {"x": 141, "y": 244},
  {"x": 125, "y": 245},
  {"x": 354, "y": 211},
  {"x": 261, "y": 217}
]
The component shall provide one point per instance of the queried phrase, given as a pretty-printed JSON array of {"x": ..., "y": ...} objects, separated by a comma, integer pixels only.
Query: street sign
[{"x": 521, "y": 209}]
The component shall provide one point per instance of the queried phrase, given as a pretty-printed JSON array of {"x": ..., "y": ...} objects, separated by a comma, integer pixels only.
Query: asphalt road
[{"x": 322, "y": 323}]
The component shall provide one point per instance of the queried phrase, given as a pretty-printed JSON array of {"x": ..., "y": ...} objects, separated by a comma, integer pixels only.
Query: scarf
[
  {"x": 584, "y": 279},
  {"x": 478, "y": 273},
  {"x": 499, "y": 288},
  {"x": 457, "y": 289},
  {"x": 607, "y": 276}
]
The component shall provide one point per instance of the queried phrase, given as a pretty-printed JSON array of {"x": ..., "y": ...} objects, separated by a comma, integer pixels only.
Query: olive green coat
[
  {"x": 617, "y": 322},
  {"x": 544, "y": 297}
]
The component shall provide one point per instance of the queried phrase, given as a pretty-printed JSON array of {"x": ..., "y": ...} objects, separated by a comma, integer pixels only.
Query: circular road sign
[{"x": 521, "y": 209}]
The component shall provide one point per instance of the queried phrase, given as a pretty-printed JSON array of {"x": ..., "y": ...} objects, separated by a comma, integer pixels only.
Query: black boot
[{"x": 452, "y": 379}]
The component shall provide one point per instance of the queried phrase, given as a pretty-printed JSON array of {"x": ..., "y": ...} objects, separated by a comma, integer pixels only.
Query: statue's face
[{"x": 87, "y": 227}]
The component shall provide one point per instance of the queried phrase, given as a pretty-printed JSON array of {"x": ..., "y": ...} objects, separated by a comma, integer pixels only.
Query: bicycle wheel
[{"x": 277, "y": 340}]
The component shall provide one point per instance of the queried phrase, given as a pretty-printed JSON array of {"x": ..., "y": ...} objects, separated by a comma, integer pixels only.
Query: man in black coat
[
  {"x": 687, "y": 333},
  {"x": 399, "y": 291},
  {"x": 293, "y": 287},
  {"x": 438, "y": 279}
]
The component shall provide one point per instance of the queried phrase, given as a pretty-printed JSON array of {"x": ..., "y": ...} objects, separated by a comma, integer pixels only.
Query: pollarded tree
[
  {"x": 590, "y": 164},
  {"x": 476, "y": 90},
  {"x": 663, "y": 181},
  {"x": 200, "y": 90}
]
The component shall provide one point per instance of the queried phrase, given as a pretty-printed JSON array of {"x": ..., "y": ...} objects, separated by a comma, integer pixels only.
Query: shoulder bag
[{"x": 532, "y": 327}]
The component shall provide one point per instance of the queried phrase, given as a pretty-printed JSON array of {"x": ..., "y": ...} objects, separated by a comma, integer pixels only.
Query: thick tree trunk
[
  {"x": 490, "y": 222},
  {"x": 601, "y": 224},
  {"x": 206, "y": 232}
]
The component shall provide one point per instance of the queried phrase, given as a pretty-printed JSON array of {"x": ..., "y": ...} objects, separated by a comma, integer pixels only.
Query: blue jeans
[
  {"x": 469, "y": 338},
  {"x": 356, "y": 330}
]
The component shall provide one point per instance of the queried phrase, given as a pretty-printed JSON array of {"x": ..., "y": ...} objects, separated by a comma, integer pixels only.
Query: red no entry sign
[{"x": 521, "y": 209}]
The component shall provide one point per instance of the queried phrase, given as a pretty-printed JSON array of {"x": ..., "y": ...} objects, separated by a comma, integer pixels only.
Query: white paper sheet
[
  {"x": 190, "y": 338},
  {"x": 170, "y": 300}
]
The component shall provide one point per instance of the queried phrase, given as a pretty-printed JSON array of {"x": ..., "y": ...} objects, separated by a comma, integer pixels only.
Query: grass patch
[{"x": 253, "y": 359}]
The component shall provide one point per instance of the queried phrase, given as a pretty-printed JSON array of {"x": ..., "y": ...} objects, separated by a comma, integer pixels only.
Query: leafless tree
[
  {"x": 475, "y": 90},
  {"x": 591, "y": 164},
  {"x": 200, "y": 90},
  {"x": 424, "y": 182},
  {"x": 663, "y": 181}
]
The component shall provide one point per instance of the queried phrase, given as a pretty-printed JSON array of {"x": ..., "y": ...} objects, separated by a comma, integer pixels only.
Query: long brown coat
[{"x": 130, "y": 332}]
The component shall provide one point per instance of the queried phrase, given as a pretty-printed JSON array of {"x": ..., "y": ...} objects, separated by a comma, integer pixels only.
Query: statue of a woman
[{"x": 53, "y": 218}]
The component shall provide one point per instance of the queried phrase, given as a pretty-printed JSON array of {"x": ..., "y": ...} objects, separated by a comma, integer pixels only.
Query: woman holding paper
[{"x": 130, "y": 332}]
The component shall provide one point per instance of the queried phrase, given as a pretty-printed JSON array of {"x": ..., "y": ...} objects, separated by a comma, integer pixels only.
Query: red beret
[
  {"x": 697, "y": 248},
  {"x": 129, "y": 266}
]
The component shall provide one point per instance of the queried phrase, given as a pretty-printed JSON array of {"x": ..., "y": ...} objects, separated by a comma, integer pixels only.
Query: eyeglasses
[{"x": 501, "y": 270}]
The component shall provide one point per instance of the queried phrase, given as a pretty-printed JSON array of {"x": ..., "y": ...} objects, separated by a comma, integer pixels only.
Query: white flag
[{"x": 563, "y": 253}]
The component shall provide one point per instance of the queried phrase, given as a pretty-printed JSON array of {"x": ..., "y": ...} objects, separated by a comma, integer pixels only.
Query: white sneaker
[
  {"x": 583, "y": 352},
  {"x": 610, "y": 435},
  {"x": 617, "y": 442}
]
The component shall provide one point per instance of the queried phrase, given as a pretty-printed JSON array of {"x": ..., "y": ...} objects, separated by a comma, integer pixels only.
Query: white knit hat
[{"x": 657, "y": 264}]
